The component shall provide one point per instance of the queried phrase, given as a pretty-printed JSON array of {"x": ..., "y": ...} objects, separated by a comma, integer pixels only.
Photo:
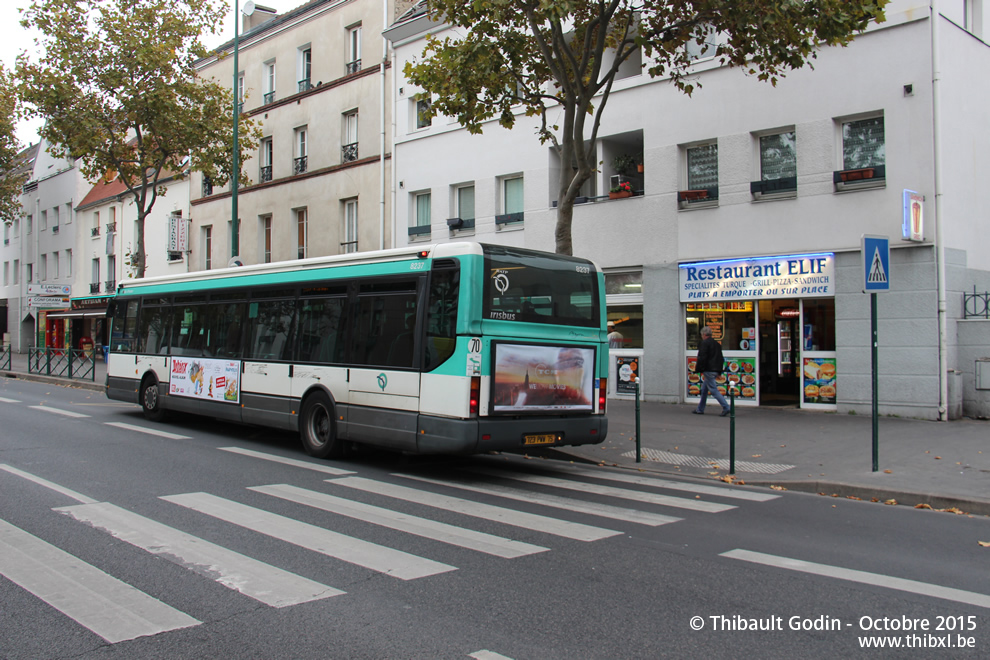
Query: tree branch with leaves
[
  {"x": 561, "y": 57},
  {"x": 11, "y": 179},
  {"x": 118, "y": 92}
]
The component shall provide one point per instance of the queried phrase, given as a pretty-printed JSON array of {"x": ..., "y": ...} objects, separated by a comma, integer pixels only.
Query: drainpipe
[
  {"x": 381, "y": 137},
  {"x": 943, "y": 381}
]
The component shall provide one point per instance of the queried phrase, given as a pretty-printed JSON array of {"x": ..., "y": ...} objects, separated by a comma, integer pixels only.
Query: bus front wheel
[
  {"x": 151, "y": 402},
  {"x": 317, "y": 428}
]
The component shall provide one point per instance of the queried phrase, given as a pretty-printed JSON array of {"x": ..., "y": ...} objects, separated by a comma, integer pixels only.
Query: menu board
[
  {"x": 715, "y": 321},
  {"x": 740, "y": 371},
  {"x": 819, "y": 380},
  {"x": 627, "y": 373}
]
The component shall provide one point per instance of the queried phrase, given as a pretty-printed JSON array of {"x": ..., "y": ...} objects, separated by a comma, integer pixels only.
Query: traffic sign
[{"x": 876, "y": 263}]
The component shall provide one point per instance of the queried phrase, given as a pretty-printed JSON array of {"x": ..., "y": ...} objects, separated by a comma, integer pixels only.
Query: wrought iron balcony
[
  {"x": 111, "y": 285},
  {"x": 349, "y": 152},
  {"x": 269, "y": 97},
  {"x": 111, "y": 227},
  {"x": 266, "y": 173},
  {"x": 353, "y": 67},
  {"x": 54, "y": 229},
  {"x": 305, "y": 84},
  {"x": 348, "y": 247},
  {"x": 94, "y": 287},
  {"x": 299, "y": 165},
  {"x": 95, "y": 231}
]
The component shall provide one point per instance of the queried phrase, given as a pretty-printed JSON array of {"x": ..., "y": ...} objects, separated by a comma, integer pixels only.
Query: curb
[{"x": 52, "y": 380}]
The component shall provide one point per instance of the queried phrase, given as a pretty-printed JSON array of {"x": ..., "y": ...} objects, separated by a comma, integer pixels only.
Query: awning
[{"x": 79, "y": 314}]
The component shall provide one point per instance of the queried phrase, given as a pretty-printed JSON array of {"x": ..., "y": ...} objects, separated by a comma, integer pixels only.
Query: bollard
[
  {"x": 732, "y": 430},
  {"x": 638, "y": 444}
]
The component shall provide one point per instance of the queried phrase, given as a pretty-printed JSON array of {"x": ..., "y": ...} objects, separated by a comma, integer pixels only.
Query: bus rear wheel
[
  {"x": 151, "y": 403},
  {"x": 318, "y": 428}
]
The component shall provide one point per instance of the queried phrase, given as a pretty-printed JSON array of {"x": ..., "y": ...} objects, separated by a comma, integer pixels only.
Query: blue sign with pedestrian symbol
[{"x": 876, "y": 263}]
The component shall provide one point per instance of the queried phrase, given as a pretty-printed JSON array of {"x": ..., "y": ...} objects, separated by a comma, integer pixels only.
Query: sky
[{"x": 14, "y": 39}]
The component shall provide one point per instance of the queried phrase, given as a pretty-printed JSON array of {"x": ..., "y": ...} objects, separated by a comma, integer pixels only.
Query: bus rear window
[{"x": 539, "y": 288}]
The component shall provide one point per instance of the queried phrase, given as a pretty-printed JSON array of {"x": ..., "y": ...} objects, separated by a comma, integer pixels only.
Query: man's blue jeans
[{"x": 708, "y": 385}]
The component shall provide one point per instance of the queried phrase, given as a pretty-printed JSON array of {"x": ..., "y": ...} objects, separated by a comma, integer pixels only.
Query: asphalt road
[{"x": 195, "y": 539}]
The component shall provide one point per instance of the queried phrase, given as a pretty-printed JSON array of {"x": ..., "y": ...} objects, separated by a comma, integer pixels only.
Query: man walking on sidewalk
[{"x": 710, "y": 364}]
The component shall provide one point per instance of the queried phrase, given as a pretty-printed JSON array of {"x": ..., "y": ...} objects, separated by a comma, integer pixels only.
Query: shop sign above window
[{"x": 791, "y": 276}]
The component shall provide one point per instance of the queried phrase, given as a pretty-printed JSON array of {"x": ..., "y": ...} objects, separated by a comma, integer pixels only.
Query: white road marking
[
  {"x": 852, "y": 575},
  {"x": 700, "y": 489},
  {"x": 47, "y": 484},
  {"x": 326, "y": 469},
  {"x": 110, "y": 608},
  {"x": 403, "y": 522},
  {"x": 610, "y": 491},
  {"x": 144, "y": 429},
  {"x": 544, "y": 524},
  {"x": 556, "y": 502},
  {"x": 488, "y": 655},
  {"x": 268, "y": 584},
  {"x": 355, "y": 551},
  {"x": 3, "y": 400},
  {"x": 58, "y": 411}
]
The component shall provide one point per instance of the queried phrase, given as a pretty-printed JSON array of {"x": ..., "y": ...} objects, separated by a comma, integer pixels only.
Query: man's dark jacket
[{"x": 710, "y": 357}]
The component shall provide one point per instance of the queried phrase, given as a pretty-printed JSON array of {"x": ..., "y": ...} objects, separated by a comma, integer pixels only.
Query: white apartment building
[
  {"x": 315, "y": 79},
  {"x": 749, "y": 214}
]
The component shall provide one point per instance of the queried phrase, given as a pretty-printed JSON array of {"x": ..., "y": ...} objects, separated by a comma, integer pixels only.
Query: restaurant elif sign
[{"x": 792, "y": 276}]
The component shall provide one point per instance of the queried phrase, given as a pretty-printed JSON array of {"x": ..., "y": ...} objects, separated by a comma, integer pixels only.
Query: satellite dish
[
  {"x": 234, "y": 261},
  {"x": 248, "y": 8}
]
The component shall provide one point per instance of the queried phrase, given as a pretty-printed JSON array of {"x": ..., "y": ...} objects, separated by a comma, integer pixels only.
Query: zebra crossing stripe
[
  {"x": 48, "y": 484},
  {"x": 538, "y": 523},
  {"x": 110, "y": 608},
  {"x": 700, "y": 489},
  {"x": 403, "y": 522},
  {"x": 325, "y": 469},
  {"x": 5, "y": 400},
  {"x": 488, "y": 655},
  {"x": 555, "y": 501},
  {"x": 610, "y": 491},
  {"x": 144, "y": 429},
  {"x": 346, "y": 548},
  {"x": 263, "y": 582}
]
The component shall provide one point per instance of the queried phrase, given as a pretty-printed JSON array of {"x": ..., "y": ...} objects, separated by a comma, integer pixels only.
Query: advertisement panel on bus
[{"x": 536, "y": 377}]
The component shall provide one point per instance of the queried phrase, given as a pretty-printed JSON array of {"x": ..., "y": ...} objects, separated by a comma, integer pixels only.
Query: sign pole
[{"x": 876, "y": 406}]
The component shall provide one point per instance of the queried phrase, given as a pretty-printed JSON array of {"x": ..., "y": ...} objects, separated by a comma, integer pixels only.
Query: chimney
[{"x": 261, "y": 15}]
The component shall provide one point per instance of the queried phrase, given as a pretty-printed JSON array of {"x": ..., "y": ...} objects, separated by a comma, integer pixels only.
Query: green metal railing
[
  {"x": 69, "y": 363},
  {"x": 5, "y": 359}
]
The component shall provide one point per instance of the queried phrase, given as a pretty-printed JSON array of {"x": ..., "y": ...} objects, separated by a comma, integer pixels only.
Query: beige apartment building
[{"x": 315, "y": 79}]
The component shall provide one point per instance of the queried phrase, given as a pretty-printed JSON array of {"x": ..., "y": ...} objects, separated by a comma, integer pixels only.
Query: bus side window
[
  {"x": 269, "y": 329},
  {"x": 152, "y": 333},
  {"x": 441, "y": 322}
]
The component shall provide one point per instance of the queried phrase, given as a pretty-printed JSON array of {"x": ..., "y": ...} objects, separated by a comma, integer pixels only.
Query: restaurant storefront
[{"x": 775, "y": 319}]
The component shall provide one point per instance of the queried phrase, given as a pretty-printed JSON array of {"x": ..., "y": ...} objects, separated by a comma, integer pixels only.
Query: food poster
[
  {"x": 740, "y": 371},
  {"x": 627, "y": 372},
  {"x": 819, "y": 380},
  {"x": 201, "y": 378}
]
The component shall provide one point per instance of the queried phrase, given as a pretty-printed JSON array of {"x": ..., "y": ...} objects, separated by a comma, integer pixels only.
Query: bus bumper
[{"x": 438, "y": 435}]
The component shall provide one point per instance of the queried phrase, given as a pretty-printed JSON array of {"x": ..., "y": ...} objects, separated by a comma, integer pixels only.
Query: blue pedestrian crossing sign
[{"x": 876, "y": 263}]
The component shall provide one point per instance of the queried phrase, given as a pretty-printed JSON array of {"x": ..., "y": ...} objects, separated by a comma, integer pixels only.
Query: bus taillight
[
  {"x": 475, "y": 394},
  {"x": 602, "y": 394}
]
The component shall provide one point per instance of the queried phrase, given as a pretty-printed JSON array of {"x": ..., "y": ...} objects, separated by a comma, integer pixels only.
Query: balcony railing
[
  {"x": 111, "y": 285},
  {"x": 269, "y": 97},
  {"x": 349, "y": 152},
  {"x": 299, "y": 165},
  {"x": 111, "y": 227},
  {"x": 976, "y": 305},
  {"x": 305, "y": 84},
  {"x": 94, "y": 232},
  {"x": 353, "y": 67},
  {"x": 266, "y": 173},
  {"x": 94, "y": 287},
  {"x": 54, "y": 229},
  {"x": 348, "y": 246}
]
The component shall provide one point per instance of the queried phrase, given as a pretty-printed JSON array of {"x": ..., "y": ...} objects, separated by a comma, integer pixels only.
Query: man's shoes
[
  {"x": 725, "y": 413},
  {"x": 698, "y": 412}
]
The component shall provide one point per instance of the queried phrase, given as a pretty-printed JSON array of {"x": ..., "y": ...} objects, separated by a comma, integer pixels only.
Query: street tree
[
  {"x": 118, "y": 91},
  {"x": 558, "y": 59},
  {"x": 10, "y": 177}
]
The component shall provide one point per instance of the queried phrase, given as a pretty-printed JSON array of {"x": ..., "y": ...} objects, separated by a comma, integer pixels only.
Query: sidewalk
[{"x": 941, "y": 464}]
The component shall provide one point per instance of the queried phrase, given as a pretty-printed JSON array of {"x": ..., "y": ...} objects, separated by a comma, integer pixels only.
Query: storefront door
[{"x": 780, "y": 352}]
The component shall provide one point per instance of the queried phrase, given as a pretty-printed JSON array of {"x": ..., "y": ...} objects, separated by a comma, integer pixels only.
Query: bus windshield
[{"x": 535, "y": 287}]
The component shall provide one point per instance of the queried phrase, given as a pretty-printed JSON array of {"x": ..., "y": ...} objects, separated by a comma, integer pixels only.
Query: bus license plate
[{"x": 540, "y": 439}]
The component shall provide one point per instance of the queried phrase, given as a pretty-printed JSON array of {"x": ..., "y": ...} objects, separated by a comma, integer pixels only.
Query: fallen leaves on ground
[
  {"x": 954, "y": 510},
  {"x": 938, "y": 458},
  {"x": 985, "y": 544},
  {"x": 732, "y": 479},
  {"x": 891, "y": 502},
  {"x": 888, "y": 472},
  {"x": 853, "y": 497},
  {"x": 756, "y": 455},
  {"x": 922, "y": 505},
  {"x": 777, "y": 488}
]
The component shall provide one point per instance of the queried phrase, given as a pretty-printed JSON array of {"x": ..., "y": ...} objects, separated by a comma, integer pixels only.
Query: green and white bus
[{"x": 457, "y": 348}]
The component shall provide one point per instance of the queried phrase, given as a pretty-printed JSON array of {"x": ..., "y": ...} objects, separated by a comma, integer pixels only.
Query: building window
[
  {"x": 267, "y": 156},
  {"x": 708, "y": 45},
  {"x": 863, "y": 144},
  {"x": 55, "y": 265},
  {"x": 207, "y": 186},
  {"x": 305, "y": 68},
  {"x": 17, "y": 271},
  {"x": 6, "y": 273},
  {"x": 68, "y": 263},
  {"x": 68, "y": 213},
  {"x": 207, "y": 248},
  {"x": 30, "y": 222},
  {"x": 423, "y": 118},
  {"x": 465, "y": 203},
  {"x": 778, "y": 167},
  {"x": 349, "y": 149},
  {"x": 299, "y": 164},
  {"x": 421, "y": 215},
  {"x": 94, "y": 281},
  {"x": 702, "y": 167},
  {"x": 350, "y": 243},
  {"x": 111, "y": 274},
  {"x": 266, "y": 233},
  {"x": 44, "y": 221},
  {"x": 43, "y": 267},
  {"x": 512, "y": 195},
  {"x": 269, "y": 74},
  {"x": 354, "y": 49},
  {"x": 302, "y": 233},
  {"x": 240, "y": 93},
  {"x": 55, "y": 220}
]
